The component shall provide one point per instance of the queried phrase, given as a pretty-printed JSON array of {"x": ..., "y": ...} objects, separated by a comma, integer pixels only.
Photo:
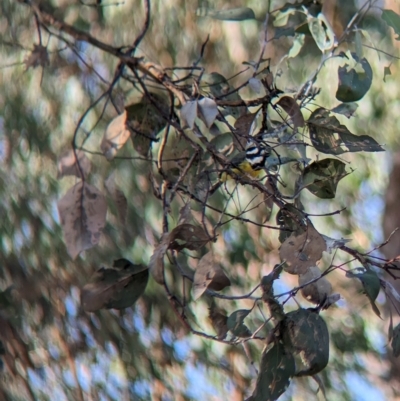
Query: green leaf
[
  {"x": 329, "y": 136},
  {"x": 321, "y": 32},
  {"x": 305, "y": 335},
  {"x": 276, "y": 368},
  {"x": 235, "y": 323},
  {"x": 393, "y": 20},
  {"x": 371, "y": 285},
  {"x": 321, "y": 177},
  {"x": 354, "y": 83},
  {"x": 396, "y": 341},
  {"x": 297, "y": 45},
  {"x": 233, "y": 14},
  {"x": 346, "y": 109}
]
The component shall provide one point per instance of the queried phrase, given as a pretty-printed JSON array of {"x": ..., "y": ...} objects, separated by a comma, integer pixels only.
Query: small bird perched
[{"x": 251, "y": 162}]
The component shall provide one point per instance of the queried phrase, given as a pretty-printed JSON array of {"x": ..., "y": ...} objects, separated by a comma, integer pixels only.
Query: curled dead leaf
[
  {"x": 219, "y": 321},
  {"x": 293, "y": 110},
  {"x": 209, "y": 274},
  {"x": 115, "y": 137},
  {"x": 68, "y": 165}
]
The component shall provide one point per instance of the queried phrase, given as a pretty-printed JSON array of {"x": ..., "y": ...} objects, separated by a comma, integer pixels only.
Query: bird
[{"x": 251, "y": 162}]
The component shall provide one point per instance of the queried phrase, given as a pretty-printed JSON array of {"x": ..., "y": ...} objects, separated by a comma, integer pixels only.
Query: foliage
[{"x": 200, "y": 179}]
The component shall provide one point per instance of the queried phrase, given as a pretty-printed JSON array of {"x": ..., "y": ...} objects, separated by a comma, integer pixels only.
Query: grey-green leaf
[
  {"x": 393, "y": 20},
  {"x": 396, "y": 341},
  {"x": 329, "y": 136},
  {"x": 321, "y": 177},
  {"x": 276, "y": 368},
  {"x": 235, "y": 323},
  {"x": 353, "y": 84},
  {"x": 306, "y": 336}
]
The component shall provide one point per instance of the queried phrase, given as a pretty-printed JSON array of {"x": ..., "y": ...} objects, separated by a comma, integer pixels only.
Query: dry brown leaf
[
  {"x": 82, "y": 213},
  {"x": 208, "y": 275},
  {"x": 185, "y": 214},
  {"x": 243, "y": 130},
  {"x": 293, "y": 109},
  {"x": 188, "y": 236},
  {"x": 302, "y": 251},
  {"x": 114, "y": 288},
  {"x": 38, "y": 57},
  {"x": 115, "y": 136},
  {"x": 67, "y": 164},
  {"x": 319, "y": 290},
  {"x": 118, "y": 197},
  {"x": 156, "y": 264},
  {"x": 219, "y": 322}
]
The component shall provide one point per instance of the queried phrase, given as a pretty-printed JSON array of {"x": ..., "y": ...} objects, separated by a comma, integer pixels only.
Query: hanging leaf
[
  {"x": 68, "y": 165},
  {"x": 354, "y": 83},
  {"x": 291, "y": 220},
  {"x": 233, "y": 14},
  {"x": 255, "y": 84},
  {"x": 145, "y": 120},
  {"x": 188, "y": 236},
  {"x": 208, "y": 275},
  {"x": 396, "y": 341},
  {"x": 322, "y": 177},
  {"x": 321, "y": 32},
  {"x": 244, "y": 128},
  {"x": 393, "y": 20},
  {"x": 221, "y": 89},
  {"x": 118, "y": 197},
  {"x": 306, "y": 336},
  {"x": 208, "y": 110},
  {"x": 276, "y": 368},
  {"x": 317, "y": 291},
  {"x": 386, "y": 72},
  {"x": 371, "y": 285},
  {"x": 293, "y": 110},
  {"x": 300, "y": 252},
  {"x": 329, "y": 136},
  {"x": 185, "y": 214},
  {"x": 115, "y": 288},
  {"x": 115, "y": 136},
  {"x": 156, "y": 264},
  {"x": 297, "y": 45},
  {"x": 347, "y": 109},
  {"x": 332, "y": 243},
  {"x": 235, "y": 323},
  {"x": 219, "y": 321},
  {"x": 189, "y": 114},
  {"x": 82, "y": 213}
]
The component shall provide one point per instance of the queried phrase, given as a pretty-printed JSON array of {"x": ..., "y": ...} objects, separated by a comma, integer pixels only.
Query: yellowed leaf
[
  {"x": 115, "y": 136},
  {"x": 68, "y": 165},
  {"x": 82, "y": 213}
]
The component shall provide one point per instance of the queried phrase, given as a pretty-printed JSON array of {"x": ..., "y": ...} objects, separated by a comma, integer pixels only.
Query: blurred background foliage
[{"x": 55, "y": 350}]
